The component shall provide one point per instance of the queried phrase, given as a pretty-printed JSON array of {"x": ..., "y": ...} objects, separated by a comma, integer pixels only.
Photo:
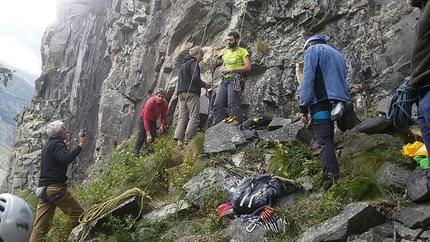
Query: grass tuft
[
  {"x": 293, "y": 160},
  {"x": 261, "y": 47}
]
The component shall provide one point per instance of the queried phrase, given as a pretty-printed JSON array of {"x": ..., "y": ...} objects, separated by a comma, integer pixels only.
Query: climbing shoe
[{"x": 229, "y": 119}]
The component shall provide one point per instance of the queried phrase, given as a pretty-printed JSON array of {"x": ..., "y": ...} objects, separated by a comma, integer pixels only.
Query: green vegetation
[
  {"x": 293, "y": 160},
  {"x": 261, "y": 47},
  {"x": 255, "y": 153},
  {"x": 162, "y": 174},
  {"x": 6, "y": 75},
  {"x": 59, "y": 231}
]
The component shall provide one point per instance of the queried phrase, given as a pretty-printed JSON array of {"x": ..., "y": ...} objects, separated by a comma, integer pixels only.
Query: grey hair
[
  {"x": 196, "y": 50},
  {"x": 54, "y": 127}
]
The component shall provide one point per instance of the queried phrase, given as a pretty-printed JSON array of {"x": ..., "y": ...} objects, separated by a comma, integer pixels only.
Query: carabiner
[{"x": 251, "y": 227}]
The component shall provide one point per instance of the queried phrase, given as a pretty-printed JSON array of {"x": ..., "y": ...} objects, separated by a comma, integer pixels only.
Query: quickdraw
[{"x": 267, "y": 218}]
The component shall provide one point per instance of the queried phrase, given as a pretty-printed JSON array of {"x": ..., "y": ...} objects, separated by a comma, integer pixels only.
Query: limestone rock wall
[{"x": 102, "y": 59}]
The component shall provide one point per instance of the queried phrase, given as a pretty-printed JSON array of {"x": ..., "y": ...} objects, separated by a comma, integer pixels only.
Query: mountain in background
[{"x": 13, "y": 98}]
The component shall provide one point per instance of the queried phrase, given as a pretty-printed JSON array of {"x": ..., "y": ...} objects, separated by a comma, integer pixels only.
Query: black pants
[
  {"x": 324, "y": 133},
  {"x": 141, "y": 133}
]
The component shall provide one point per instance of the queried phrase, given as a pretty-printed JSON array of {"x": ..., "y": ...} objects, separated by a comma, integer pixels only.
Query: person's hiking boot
[
  {"x": 180, "y": 145},
  {"x": 329, "y": 179},
  {"x": 149, "y": 151},
  {"x": 328, "y": 184},
  {"x": 229, "y": 119}
]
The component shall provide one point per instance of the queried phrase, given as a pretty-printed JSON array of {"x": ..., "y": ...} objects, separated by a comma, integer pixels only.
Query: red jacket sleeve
[
  {"x": 146, "y": 109},
  {"x": 164, "y": 112}
]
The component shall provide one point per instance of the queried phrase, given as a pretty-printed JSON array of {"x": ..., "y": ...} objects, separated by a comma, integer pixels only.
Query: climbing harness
[
  {"x": 41, "y": 191},
  {"x": 400, "y": 106}
]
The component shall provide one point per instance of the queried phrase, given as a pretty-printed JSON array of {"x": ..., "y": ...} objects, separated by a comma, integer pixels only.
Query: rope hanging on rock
[
  {"x": 201, "y": 44},
  {"x": 97, "y": 210},
  {"x": 399, "y": 108}
]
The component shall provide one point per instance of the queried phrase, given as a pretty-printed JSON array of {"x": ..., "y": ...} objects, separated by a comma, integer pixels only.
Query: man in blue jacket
[
  {"x": 323, "y": 84},
  {"x": 189, "y": 90}
]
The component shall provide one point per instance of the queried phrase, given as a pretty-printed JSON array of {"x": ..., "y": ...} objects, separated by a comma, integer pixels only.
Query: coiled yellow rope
[{"x": 99, "y": 209}]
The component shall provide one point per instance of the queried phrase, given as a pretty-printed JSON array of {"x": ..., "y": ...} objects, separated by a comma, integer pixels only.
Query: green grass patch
[
  {"x": 293, "y": 160},
  {"x": 255, "y": 153},
  {"x": 358, "y": 187}
]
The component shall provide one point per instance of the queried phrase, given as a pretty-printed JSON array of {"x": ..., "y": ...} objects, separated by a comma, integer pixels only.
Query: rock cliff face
[{"x": 103, "y": 59}]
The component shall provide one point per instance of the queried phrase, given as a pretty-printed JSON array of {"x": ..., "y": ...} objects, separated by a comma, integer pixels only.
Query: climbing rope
[
  {"x": 243, "y": 20},
  {"x": 212, "y": 80},
  {"x": 155, "y": 174},
  {"x": 189, "y": 87},
  {"x": 400, "y": 106},
  {"x": 99, "y": 209},
  {"x": 202, "y": 41},
  {"x": 195, "y": 67}
]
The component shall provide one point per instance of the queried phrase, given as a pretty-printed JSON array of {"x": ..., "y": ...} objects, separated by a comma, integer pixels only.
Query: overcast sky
[{"x": 22, "y": 23}]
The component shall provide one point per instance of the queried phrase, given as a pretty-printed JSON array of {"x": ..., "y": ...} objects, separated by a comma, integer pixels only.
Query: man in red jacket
[{"x": 147, "y": 125}]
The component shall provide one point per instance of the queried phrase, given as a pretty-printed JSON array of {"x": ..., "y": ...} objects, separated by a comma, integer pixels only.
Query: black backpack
[
  {"x": 349, "y": 117},
  {"x": 256, "y": 191}
]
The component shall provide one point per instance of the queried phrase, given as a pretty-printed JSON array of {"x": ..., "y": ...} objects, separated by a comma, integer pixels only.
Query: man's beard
[{"x": 233, "y": 45}]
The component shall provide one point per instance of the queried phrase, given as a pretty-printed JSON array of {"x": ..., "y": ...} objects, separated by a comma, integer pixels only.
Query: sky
[{"x": 22, "y": 23}]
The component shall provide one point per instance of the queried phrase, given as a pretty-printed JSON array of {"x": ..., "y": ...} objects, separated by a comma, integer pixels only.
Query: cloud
[
  {"x": 31, "y": 12},
  {"x": 17, "y": 54},
  {"x": 22, "y": 23}
]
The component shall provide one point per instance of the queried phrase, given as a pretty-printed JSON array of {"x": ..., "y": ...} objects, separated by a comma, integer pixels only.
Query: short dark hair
[
  {"x": 161, "y": 91},
  {"x": 235, "y": 34}
]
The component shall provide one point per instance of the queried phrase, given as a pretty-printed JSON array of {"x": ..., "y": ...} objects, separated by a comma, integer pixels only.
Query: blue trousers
[{"x": 424, "y": 117}]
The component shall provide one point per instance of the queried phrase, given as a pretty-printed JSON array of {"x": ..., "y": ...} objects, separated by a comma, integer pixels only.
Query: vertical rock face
[{"x": 103, "y": 59}]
